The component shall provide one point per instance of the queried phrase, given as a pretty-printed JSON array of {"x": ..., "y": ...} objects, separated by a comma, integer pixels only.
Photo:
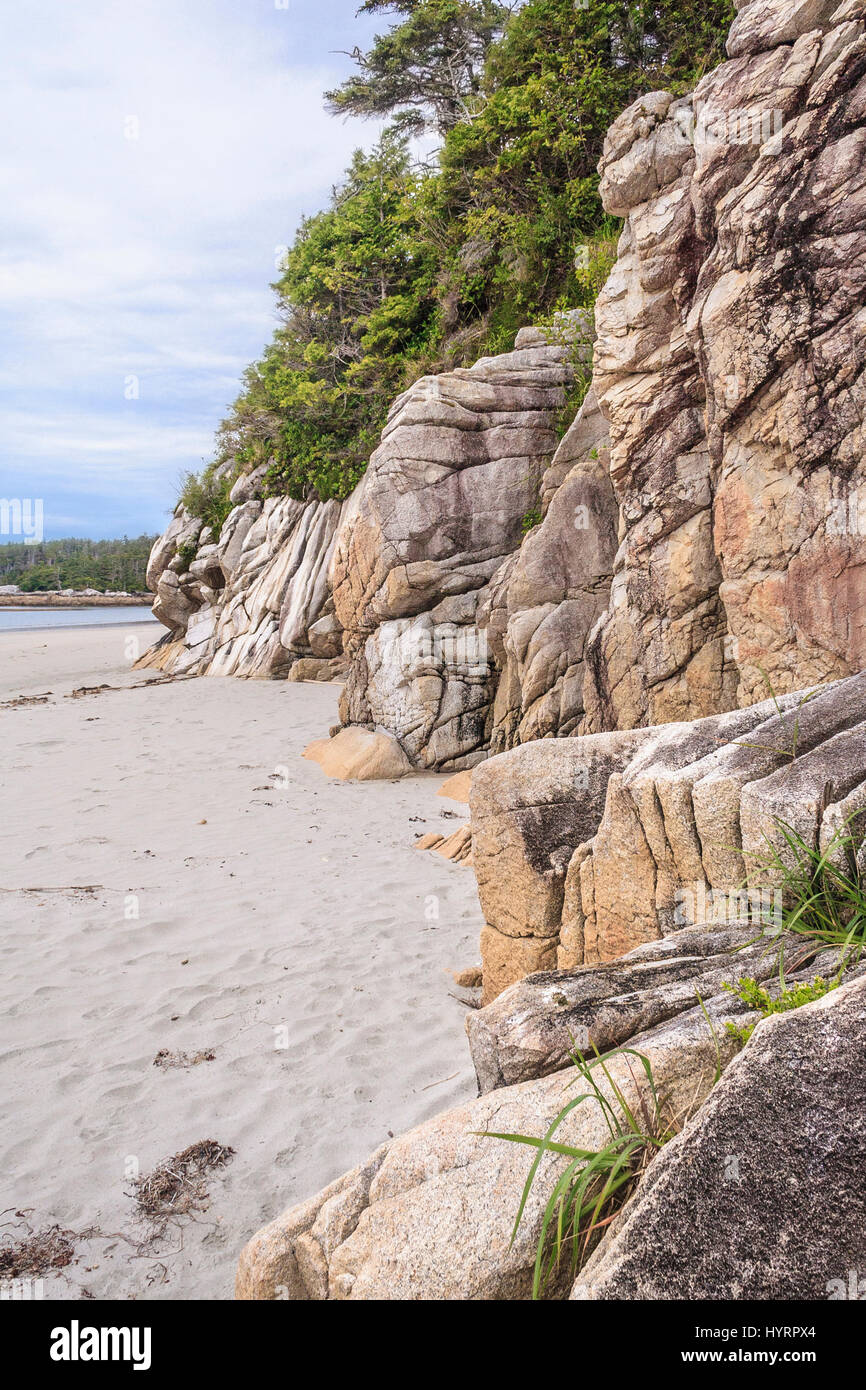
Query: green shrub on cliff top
[
  {"x": 206, "y": 495},
  {"x": 356, "y": 300},
  {"x": 415, "y": 268}
]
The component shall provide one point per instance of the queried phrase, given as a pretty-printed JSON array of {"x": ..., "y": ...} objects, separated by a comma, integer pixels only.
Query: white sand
[{"x": 302, "y": 907}]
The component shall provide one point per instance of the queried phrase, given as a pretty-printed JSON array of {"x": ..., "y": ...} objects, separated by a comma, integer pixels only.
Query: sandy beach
[{"x": 176, "y": 879}]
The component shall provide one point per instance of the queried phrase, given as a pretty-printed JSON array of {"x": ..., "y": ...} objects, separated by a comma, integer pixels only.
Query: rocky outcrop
[
  {"x": 761, "y": 1196},
  {"x": 585, "y": 848},
  {"x": 717, "y": 467},
  {"x": 254, "y": 600},
  {"x": 730, "y": 367},
  {"x": 542, "y": 604},
  {"x": 536, "y": 1025},
  {"x": 430, "y": 1214},
  {"x": 443, "y": 503},
  {"x": 626, "y": 836},
  {"x": 715, "y": 470},
  {"x": 423, "y": 577}
]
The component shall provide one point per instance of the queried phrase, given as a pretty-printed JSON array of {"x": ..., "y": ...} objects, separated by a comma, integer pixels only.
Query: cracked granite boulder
[
  {"x": 441, "y": 506},
  {"x": 586, "y": 848},
  {"x": 429, "y": 1215},
  {"x": 534, "y": 1026},
  {"x": 761, "y": 1195}
]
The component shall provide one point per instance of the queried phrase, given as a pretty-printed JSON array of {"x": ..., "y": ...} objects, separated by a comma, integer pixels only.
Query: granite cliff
[
  {"x": 665, "y": 669},
  {"x": 702, "y": 525}
]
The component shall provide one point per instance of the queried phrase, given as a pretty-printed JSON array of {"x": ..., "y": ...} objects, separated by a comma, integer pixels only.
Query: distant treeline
[{"x": 76, "y": 564}]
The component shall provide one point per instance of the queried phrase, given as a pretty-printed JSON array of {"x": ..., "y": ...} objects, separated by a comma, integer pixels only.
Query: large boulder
[
  {"x": 585, "y": 848},
  {"x": 530, "y": 807},
  {"x": 429, "y": 1215},
  {"x": 533, "y": 1027},
  {"x": 444, "y": 502},
  {"x": 359, "y": 755},
  {"x": 761, "y": 1196}
]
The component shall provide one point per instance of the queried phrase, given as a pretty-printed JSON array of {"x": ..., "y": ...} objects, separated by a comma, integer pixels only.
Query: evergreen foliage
[
  {"x": 415, "y": 268},
  {"x": 76, "y": 564}
]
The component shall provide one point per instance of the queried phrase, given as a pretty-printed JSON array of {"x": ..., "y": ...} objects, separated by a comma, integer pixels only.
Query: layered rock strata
[
  {"x": 534, "y": 1026},
  {"x": 730, "y": 366},
  {"x": 585, "y": 848},
  {"x": 254, "y": 600},
  {"x": 444, "y": 502}
]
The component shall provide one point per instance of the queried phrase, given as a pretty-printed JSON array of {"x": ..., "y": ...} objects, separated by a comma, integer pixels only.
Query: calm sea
[{"x": 20, "y": 619}]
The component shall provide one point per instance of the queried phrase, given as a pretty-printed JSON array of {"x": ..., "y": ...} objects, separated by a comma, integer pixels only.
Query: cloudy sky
[{"x": 156, "y": 156}]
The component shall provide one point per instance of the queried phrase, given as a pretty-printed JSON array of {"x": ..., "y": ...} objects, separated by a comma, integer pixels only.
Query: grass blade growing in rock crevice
[
  {"x": 596, "y": 1182},
  {"x": 823, "y": 891}
]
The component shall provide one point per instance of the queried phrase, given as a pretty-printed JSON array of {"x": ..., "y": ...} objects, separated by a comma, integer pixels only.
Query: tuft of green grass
[
  {"x": 595, "y": 1183},
  {"x": 823, "y": 891},
  {"x": 530, "y": 519},
  {"x": 754, "y": 996},
  {"x": 187, "y": 553}
]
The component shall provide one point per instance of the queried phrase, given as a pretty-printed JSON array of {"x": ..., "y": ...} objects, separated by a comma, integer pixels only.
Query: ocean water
[{"x": 22, "y": 619}]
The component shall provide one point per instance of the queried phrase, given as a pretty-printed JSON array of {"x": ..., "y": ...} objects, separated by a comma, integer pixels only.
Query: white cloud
[{"x": 151, "y": 255}]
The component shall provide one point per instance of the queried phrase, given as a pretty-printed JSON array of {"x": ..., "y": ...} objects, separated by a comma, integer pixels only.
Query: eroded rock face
[
  {"x": 532, "y": 1027},
  {"x": 716, "y": 469},
  {"x": 442, "y": 505},
  {"x": 658, "y": 654},
  {"x": 255, "y": 600},
  {"x": 761, "y": 1196},
  {"x": 542, "y": 604},
  {"x": 429, "y": 1215},
  {"x": 424, "y": 577},
  {"x": 730, "y": 367},
  {"x": 591, "y": 846}
]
